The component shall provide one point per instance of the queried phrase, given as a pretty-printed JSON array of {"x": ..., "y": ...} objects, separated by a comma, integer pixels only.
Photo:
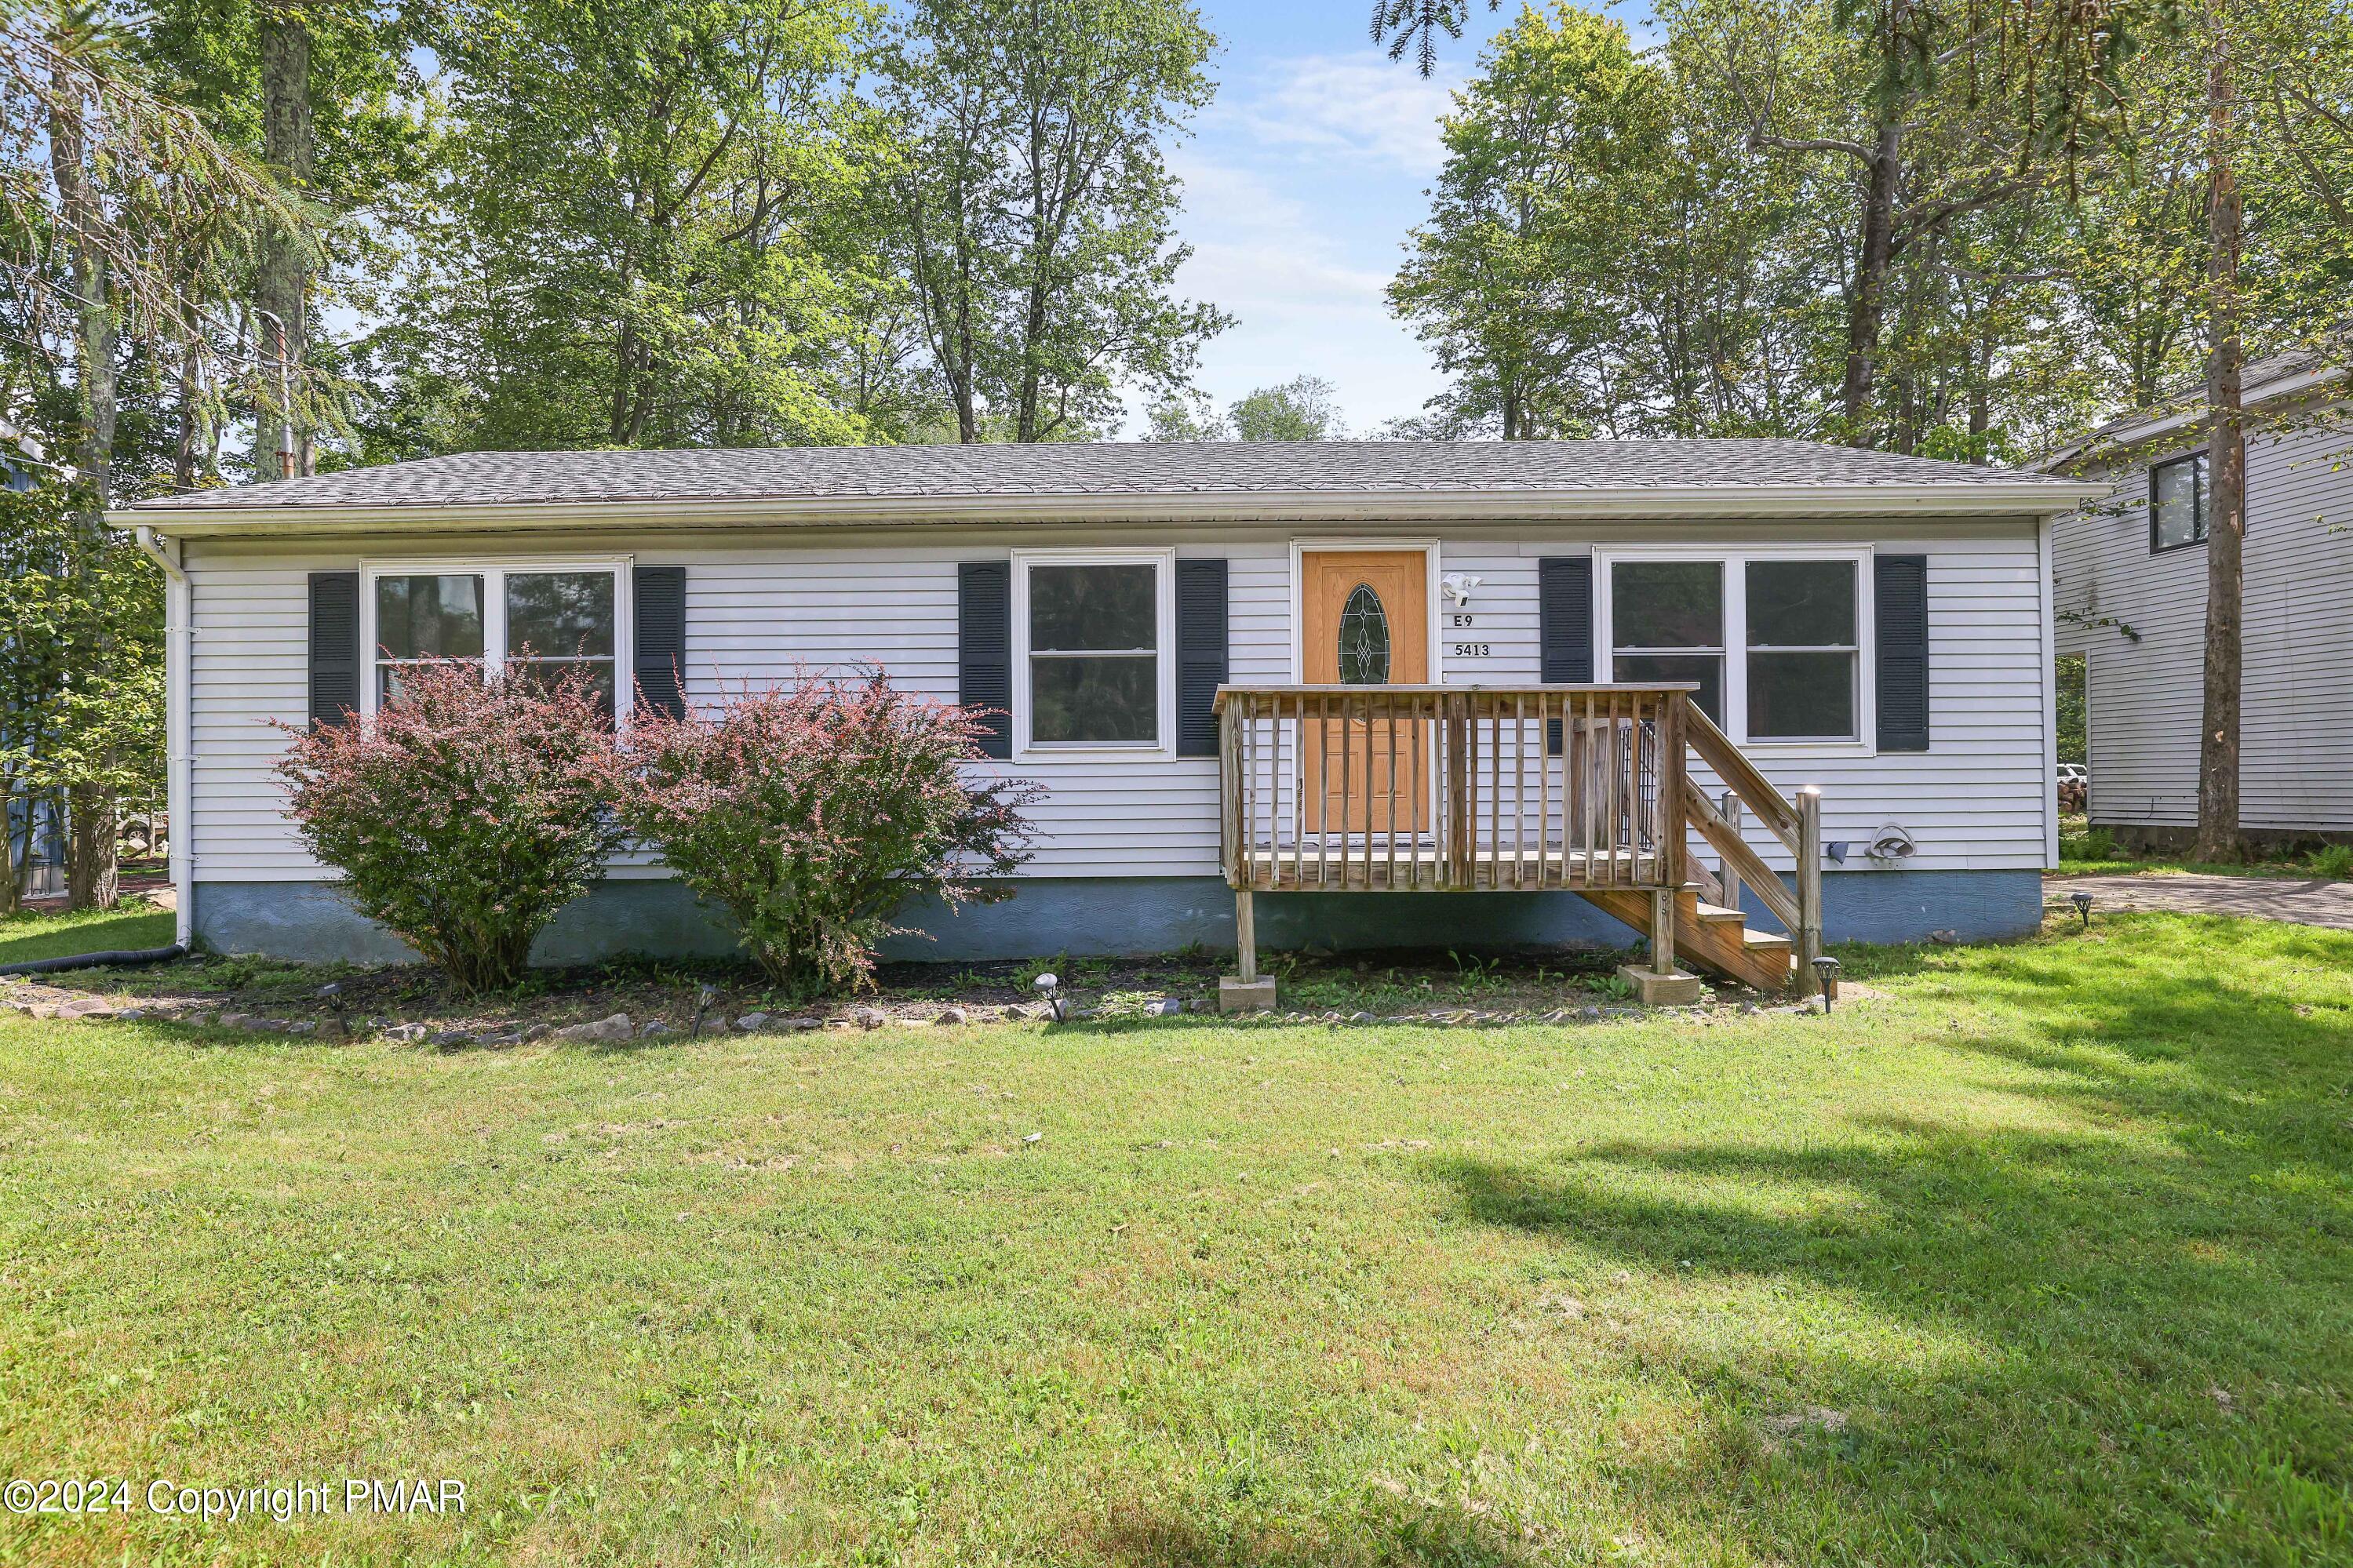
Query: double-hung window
[
  {"x": 549, "y": 619},
  {"x": 1805, "y": 649},
  {"x": 1092, "y": 663},
  {"x": 1776, "y": 641},
  {"x": 2177, "y": 503}
]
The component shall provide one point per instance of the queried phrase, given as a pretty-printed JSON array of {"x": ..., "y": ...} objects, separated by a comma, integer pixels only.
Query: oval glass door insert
[{"x": 1364, "y": 639}]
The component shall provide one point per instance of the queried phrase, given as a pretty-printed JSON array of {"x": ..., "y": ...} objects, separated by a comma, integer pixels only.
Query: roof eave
[
  {"x": 2027, "y": 498},
  {"x": 2129, "y": 435}
]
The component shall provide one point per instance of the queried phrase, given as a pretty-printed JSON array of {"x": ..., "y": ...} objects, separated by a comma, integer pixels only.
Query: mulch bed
[{"x": 645, "y": 1000}]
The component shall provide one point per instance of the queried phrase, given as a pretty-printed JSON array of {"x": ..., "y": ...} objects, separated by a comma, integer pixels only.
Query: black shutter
[
  {"x": 985, "y": 648},
  {"x": 334, "y": 646},
  {"x": 1201, "y": 654},
  {"x": 1564, "y": 628},
  {"x": 1900, "y": 586},
  {"x": 659, "y": 605}
]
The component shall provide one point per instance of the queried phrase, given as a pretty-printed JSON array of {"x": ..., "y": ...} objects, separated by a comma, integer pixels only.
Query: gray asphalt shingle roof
[{"x": 1125, "y": 469}]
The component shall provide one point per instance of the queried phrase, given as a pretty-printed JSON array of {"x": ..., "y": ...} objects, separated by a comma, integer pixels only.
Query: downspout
[
  {"x": 180, "y": 762},
  {"x": 2046, "y": 528}
]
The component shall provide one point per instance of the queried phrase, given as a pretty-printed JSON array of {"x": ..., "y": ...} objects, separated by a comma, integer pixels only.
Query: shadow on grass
[
  {"x": 2131, "y": 1337},
  {"x": 1369, "y": 1528},
  {"x": 31, "y": 938}
]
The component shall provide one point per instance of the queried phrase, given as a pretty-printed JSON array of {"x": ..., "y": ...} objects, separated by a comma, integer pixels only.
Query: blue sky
[{"x": 1301, "y": 181}]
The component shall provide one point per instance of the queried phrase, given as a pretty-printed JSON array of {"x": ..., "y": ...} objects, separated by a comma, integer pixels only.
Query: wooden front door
[{"x": 1364, "y": 621}]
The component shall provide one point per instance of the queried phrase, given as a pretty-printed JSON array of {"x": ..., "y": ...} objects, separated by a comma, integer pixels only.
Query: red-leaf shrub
[
  {"x": 813, "y": 812},
  {"x": 466, "y": 813}
]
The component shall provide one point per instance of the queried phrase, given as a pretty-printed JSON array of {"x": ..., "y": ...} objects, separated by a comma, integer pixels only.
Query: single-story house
[
  {"x": 2130, "y": 582},
  {"x": 1189, "y": 642}
]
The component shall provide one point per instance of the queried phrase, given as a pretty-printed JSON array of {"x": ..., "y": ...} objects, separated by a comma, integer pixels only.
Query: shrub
[
  {"x": 2335, "y": 860},
  {"x": 813, "y": 812},
  {"x": 466, "y": 813}
]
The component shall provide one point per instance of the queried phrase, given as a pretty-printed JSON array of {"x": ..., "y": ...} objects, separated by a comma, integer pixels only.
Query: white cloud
[
  {"x": 1299, "y": 188},
  {"x": 1361, "y": 105},
  {"x": 1304, "y": 297}
]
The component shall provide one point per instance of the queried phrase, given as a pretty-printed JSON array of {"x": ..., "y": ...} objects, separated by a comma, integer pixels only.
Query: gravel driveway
[{"x": 2317, "y": 902}]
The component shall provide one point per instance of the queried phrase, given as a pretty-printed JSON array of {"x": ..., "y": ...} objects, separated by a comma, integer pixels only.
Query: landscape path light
[
  {"x": 1049, "y": 986},
  {"x": 1826, "y": 969}
]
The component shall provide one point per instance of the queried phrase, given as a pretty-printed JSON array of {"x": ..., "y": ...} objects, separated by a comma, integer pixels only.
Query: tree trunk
[
  {"x": 12, "y": 857},
  {"x": 184, "y": 454},
  {"x": 2226, "y": 463},
  {"x": 90, "y": 881},
  {"x": 1875, "y": 255},
  {"x": 92, "y": 874},
  {"x": 282, "y": 283}
]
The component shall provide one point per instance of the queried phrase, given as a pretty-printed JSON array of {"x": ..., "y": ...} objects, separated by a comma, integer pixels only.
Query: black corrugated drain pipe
[{"x": 116, "y": 958}]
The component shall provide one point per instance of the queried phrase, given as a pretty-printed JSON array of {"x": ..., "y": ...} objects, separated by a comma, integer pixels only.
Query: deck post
[
  {"x": 1246, "y": 935},
  {"x": 1809, "y": 888},
  {"x": 1730, "y": 875},
  {"x": 1672, "y": 829},
  {"x": 1662, "y": 931}
]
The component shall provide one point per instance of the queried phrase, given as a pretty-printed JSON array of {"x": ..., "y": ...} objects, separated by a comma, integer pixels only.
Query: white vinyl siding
[
  {"x": 2146, "y": 695},
  {"x": 766, "y": 607}
]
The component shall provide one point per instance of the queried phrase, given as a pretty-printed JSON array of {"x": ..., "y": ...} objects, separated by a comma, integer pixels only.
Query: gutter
[
  {"x": 2035, "y": 497},
  {"x": 2123, "y": 436},
  {"x": 179, "y": 747}
]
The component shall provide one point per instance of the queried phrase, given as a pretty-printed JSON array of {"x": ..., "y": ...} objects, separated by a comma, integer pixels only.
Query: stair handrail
[{"x": 1797, "y": 824}]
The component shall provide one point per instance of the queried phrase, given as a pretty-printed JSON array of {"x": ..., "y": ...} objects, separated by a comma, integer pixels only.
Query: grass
[
  {"x": 2039, "y": 1255},
  {"x": 2094, "y": 851},
  {"x": 30, "y": 936}
]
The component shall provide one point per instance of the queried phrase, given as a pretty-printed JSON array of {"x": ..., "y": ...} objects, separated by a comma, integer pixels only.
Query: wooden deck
[
  {"x": 1579, "y": 789},
  {"x": 1344, "y": 865}
]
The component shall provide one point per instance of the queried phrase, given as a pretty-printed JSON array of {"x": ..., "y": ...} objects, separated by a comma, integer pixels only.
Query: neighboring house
[
  {"x": 1876, "y": 624},
  {"x": 2131, "y": 588}
]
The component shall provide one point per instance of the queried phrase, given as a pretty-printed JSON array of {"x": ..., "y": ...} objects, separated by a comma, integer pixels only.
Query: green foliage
[
  {"x": 1304, "y": 408},
  {"x": 813, "y": 815},
  {"x": 81, "y": 684},
  {"x": 2336, "y": 861},
  {"x": 466, "y": 814},
  {"x": 1600, "y": 260},
  {"x": 2071, "y": 683},
  {"x": 641, "y": 228},
  {"x": 1032, "y": 205},
  {"x": 1700, "y": 240}
]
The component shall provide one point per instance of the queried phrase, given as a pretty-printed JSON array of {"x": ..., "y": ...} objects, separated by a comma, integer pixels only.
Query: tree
[
  {"x": 1515, "y": 280},
  {"x": 128, "y": 226},
  {"x": 1034, "y": 203},
  {"x": 81, "y": 687},
  {"x": 1304, "y": 408},
  {"x": 1187, "y": 417},
  {"x": 1605, "y": 254},
  {"x": 640, "y": 230}
]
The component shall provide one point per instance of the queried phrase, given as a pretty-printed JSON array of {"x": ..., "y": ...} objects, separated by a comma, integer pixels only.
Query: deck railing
[
  {"x": 1495, "y": 788},
  {"x": 1451, "y": 788}
]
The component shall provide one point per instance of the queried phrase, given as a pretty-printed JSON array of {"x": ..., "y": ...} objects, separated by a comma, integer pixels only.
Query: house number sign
[{"x": 1456, "y": 586}]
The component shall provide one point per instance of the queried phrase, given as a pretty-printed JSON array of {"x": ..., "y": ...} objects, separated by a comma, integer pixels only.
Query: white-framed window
[
  {"x": 1093, "y": 635},
  {"x": 1776, "y": 640},
  {"x": 562, "y": 614}
]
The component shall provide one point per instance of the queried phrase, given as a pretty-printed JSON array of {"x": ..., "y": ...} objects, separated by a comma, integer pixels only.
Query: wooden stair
[{"x": 1707, "y": 936}]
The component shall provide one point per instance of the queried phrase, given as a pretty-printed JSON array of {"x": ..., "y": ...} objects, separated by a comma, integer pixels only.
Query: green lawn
[
  {"x": 2045, "y": 1255},
  {"x": 27, "y": 937}
]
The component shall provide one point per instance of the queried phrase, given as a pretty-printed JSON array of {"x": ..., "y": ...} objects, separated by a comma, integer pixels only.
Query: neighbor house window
[
  {"x": 1094, "y": 632},
  {"x": 1775, "y": 642},
  {"x": 2177, "y": 503},
  {"x": 559, "y": 618}
]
